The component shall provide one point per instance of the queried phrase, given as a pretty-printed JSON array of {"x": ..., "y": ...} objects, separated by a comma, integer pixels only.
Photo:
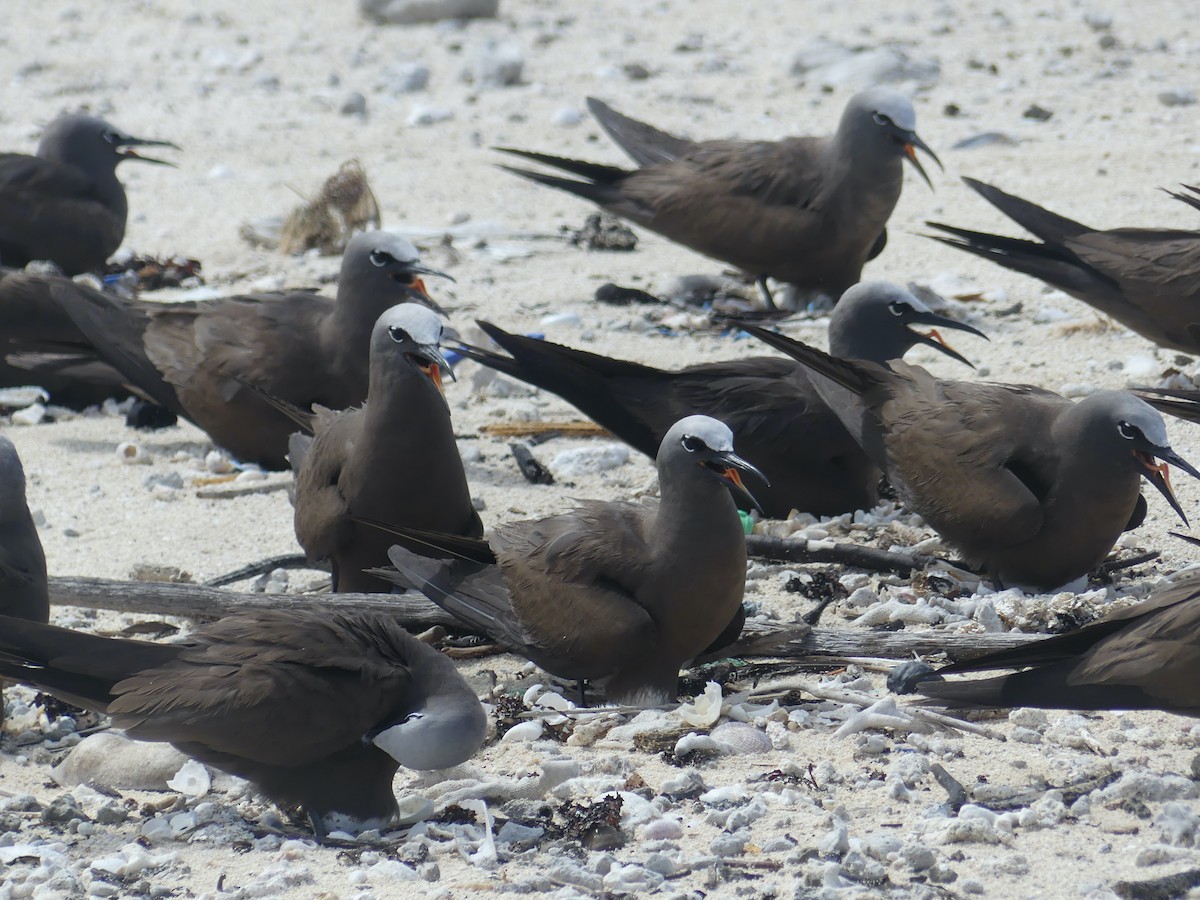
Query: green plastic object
[{"x": 747, "y": 521}]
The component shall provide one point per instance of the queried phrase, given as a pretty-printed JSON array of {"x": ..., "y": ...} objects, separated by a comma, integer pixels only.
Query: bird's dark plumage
[
  {"x": 65, "y": 204},
  {"x": 807, "y": 211},
  {"x": 290, "y": 699},
  {"x": 1148, "y": 279},
  {"x": 1144, "y": 657}
]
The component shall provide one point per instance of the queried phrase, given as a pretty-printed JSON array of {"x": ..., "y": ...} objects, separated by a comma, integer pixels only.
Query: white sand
[{"x": 204, "y": 80}]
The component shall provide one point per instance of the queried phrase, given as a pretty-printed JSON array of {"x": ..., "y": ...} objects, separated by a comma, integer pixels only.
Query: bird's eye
[
  {"x": 899, "y": 308},
  {"x": 112, "y": 137},
  {"x": 1129, "y": 432},
  {"x": 692, "y": 444},
  {"x": 381, "y": 258},
  {"x": 398, "y": 334},
  {"x": 883, "y": 119}
]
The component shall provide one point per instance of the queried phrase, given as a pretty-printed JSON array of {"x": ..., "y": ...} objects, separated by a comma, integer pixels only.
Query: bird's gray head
[
  {"x": 447, "y": 731},
  {"x": 873, "y": 320},
  {"x": 12, "y": 478},
  {"x": 1132, "y": 433},
  {"x": 707, "y": 444},
  {"x": 379, "y": 264},
  {"x": 412, "y": 334},
  {"x": 881, "y": 122},
  {"x": 93, "y": 145}
]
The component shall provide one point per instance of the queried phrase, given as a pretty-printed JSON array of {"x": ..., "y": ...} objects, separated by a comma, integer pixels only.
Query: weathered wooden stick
[
  {"x": 880, "y": 644},
  {"x": 805, "y": 551},
  {"x": 200, "y": 602}
]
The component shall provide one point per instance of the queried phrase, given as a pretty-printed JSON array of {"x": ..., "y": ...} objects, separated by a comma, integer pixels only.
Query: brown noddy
[
  {"x": 23, "y": 589},
  {"x": 808, "y": 211},
  {"x": 1148, "y": 279},
  {"x": 65, "y": 203},
  {"x": 197, "y": 358},
  {"x": 1031, "y": 485},
  {"x": 620, "y": 591},
  {"x": 1143, "y": 657},
  {"x": 777, "y": 417},
  {"x": 316, "y": 707},
  {"x": 393, "y": 459},
  {"x": 40, "y": 345}
]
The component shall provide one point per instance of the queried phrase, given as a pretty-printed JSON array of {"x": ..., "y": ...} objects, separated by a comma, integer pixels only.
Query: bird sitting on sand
[
  {"x": 620, "y": 591},
  {"x": 65, "y": 204},
  {"x": 197, "y": 358},
  {"x": 1143, "y": 657},
  {"x": 777, "y": 416},
  {"x": 318, "y": 708},
  {"x": 393, "y": 459},
  {"x": 1034, "y": 487}
]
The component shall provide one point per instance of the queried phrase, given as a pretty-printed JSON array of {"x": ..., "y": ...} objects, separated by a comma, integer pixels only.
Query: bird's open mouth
[
  {"x": 430, "y": 370},
  {"x": 1159, "y": 475}
]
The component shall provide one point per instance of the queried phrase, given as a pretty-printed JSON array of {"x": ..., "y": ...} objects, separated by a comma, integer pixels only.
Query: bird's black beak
[
  {"x": 127, "y": 144},
  {"x": 911, "y": 144},
  {"x": 433, "y": 365},
  {"x": 726, "y": 466},
  {"x": 1158, "y": 474},
  {"x": 409, "y": 274},
  {"x": 935, "y": 340}
]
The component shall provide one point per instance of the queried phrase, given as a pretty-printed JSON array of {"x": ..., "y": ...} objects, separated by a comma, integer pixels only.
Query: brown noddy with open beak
[
  {"x": 65, "y": 204},
  {"x": 1031, "y": 485},
  {"x": 777, "y": 417},
  {"x": 1143, "y": 657},
  {"x": 197, "y": 358},
  {"x": 807, "y": 211},
  {"x": 316, "y": 707},
  {"x": 618, "y": 591},
  {"x": 1148, "y": 279},
  {"x": 393, "y": 460}
]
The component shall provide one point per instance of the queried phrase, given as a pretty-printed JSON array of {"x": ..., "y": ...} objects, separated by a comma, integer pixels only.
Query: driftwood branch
[
  {"x": 844, "y": 642},
  {"x": 413, "y": 611},
  {"x": 805, "y": 551}
]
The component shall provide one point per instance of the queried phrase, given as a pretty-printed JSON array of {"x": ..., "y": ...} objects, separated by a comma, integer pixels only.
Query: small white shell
[
  {"x": 132, "y": 454},
  {"x": 192, "y": 779},
  {"x": 705, "y": 709},
  {"x": 30, "y": 415},
  {"x": 743, "y": 739},
  {"x": 529, "y": 730},
  {"x": 217, "y": 463}
]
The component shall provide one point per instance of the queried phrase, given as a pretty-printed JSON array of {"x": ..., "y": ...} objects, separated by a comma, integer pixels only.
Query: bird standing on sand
[
  {"x": 316, "y": 707},
  {"x": 777, "y": 417},
  {"x": 65, "y": 204},
  {"x": 808, "y": 211},
  {"x": 1031, "y": 485},
  {"x": 621, "y": 591},
  {"x": 394, "y": 459},
  {"x": 198, "y": 358},
  {"x": 1148, "y": 279}
]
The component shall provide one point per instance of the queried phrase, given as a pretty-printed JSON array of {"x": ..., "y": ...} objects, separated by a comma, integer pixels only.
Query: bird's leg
[
  {"x": 581, "y": 687},
  {"x": 318, "y": 826},
  {"x": 766, "y": 293}
]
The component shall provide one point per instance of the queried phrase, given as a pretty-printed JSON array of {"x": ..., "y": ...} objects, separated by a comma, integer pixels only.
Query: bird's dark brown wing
[
  {"x": 263, "y": 673},
  {"x": 644, "y": 144}
]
